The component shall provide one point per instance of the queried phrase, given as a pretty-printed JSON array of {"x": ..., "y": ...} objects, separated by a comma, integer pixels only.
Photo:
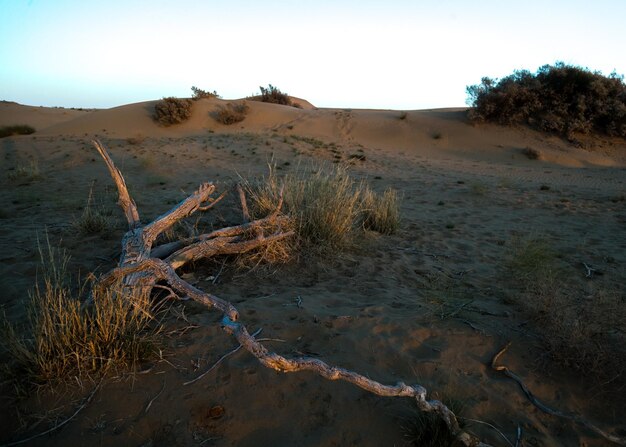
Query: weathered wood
[{"x": 140, "y": 269}]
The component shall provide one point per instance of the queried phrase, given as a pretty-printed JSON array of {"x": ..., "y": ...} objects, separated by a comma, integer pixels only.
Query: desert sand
[{"x": 430, "y": 304}]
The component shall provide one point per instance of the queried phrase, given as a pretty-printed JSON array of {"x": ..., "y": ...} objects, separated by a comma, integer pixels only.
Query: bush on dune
[
  {"x": 273, "y": 95},
  {"x": 560, "y": 98},
  {"x": 169, "y": 111}
]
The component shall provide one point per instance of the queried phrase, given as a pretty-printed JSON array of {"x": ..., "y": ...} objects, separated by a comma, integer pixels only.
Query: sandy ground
[{"x": 430, "y": 304}]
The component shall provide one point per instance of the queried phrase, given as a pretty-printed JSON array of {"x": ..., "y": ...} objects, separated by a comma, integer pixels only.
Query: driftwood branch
[{"x": 141, "y": 268}]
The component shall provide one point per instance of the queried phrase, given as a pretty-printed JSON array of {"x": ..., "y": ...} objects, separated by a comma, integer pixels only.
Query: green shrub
[
  {"x": 231, "y": 113},
  {"x": 559, "y": 98},
  {"x": 198, "y": 93},
  {"x": 169, "y": 111},
  {"x": 20, "y": 129}
]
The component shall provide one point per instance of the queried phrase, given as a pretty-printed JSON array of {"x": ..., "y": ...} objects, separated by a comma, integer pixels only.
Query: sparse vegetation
[
  {"x": 26, "y": 173},
  {"x": 19, "y": 129},
  {"x": 170, "y": 111},
  {"x": 198, "y": 93},
  {"x": 559, "y": 98},
  {"x": 63, "y": 339},
  {"x": 231, "y": 113},
  {"x": 582, "y": 331}
]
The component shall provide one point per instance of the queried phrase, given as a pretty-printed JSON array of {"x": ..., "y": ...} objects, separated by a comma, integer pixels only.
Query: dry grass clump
[
  {"x": 380, "y": 213},
  {"x": 19, "y": 129},
  {"x": 231, "y": 113},
  {"x": 326, "y": 204},
  {"x": 93, "y": 220},
  {"x": 585, "y": 331},
  {"x": 170, "y": 111},
  {"x": 62, "y": 338},
  {"x": 560, "y": 98},
  {"x": 198, "y": 93},
  {"x": 26, "y": 172}
]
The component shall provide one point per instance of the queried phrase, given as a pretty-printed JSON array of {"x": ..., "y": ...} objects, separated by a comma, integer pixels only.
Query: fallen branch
[
  {"x": 140, "y": 269},
  {"x": 571, "y": 416}
]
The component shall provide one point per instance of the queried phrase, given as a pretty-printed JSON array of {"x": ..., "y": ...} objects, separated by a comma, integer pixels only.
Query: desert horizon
[{"x": 427, "y": 247}]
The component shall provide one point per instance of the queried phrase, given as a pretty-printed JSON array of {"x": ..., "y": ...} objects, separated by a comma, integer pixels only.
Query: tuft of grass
[
  {"x": 93, "y": 220},
  {"x": 427, "y": 429},
  {"x": 380, "y": 213},
  {"x": 62, "y": 338},
  {"x": 231, "y": 113},
  {"x": 531, "y": 259},
  {"x": 19, "y": 129},
  {"x": 327, "y": 206},
  {"x": 26, "y": 173}
]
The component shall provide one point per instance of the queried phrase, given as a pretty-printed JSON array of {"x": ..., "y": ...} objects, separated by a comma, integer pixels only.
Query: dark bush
[
  {"x": 20, "y": 129},
  {"x": 170, "y": 111},
  {"x": 231, "y": 113},
  {"x": 273, "y": 95},
  {"x": 559, "y": 98},
  {"x": 198, "y": 93}
]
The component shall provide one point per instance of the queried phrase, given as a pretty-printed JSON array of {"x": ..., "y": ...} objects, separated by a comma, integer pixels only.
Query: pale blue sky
[{"x": 363, "y": 54}]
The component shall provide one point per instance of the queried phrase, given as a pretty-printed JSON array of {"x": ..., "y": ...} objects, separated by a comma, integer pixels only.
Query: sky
[{"x": 388, "y": 54}]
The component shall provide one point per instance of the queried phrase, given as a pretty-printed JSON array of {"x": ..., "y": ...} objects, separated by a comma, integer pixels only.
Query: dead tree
[{"x": 141, "y": 266}]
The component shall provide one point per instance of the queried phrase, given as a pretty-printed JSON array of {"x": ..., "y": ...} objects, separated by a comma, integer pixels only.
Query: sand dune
[{"x": 430, "y": 304}]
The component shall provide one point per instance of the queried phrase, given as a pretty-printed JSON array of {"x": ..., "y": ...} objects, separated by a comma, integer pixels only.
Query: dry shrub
[
  {"x": 326, "y": 204},
  {"x": 19, "y": 129},
  {"x": 273, "y": 95},
  {"x": 198, "y": 93},
  {"x": 231, "y": 113},
  {"x": 62, "y": 338},
  {"x": 170, "y": 111}
]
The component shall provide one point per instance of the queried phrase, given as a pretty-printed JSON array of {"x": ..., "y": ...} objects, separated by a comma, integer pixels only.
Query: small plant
[
  {"x": 436, "y": 135},
  {"x": 231, "y": 113},
  {"x": 170, "y": 111},
  {"x": 20, "y": 129},
  {"x": 403, "y": 115},
  {"x": 198, "y": 93},
  {"x": 532, "y": 154},
  {"x": 93, "y": 220},
  {"x": 531, "y": 259},
  {"x": 273, "y": 95},
  {"x": 380, "y": 212},
  {"x": 26, "y": 173}
]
